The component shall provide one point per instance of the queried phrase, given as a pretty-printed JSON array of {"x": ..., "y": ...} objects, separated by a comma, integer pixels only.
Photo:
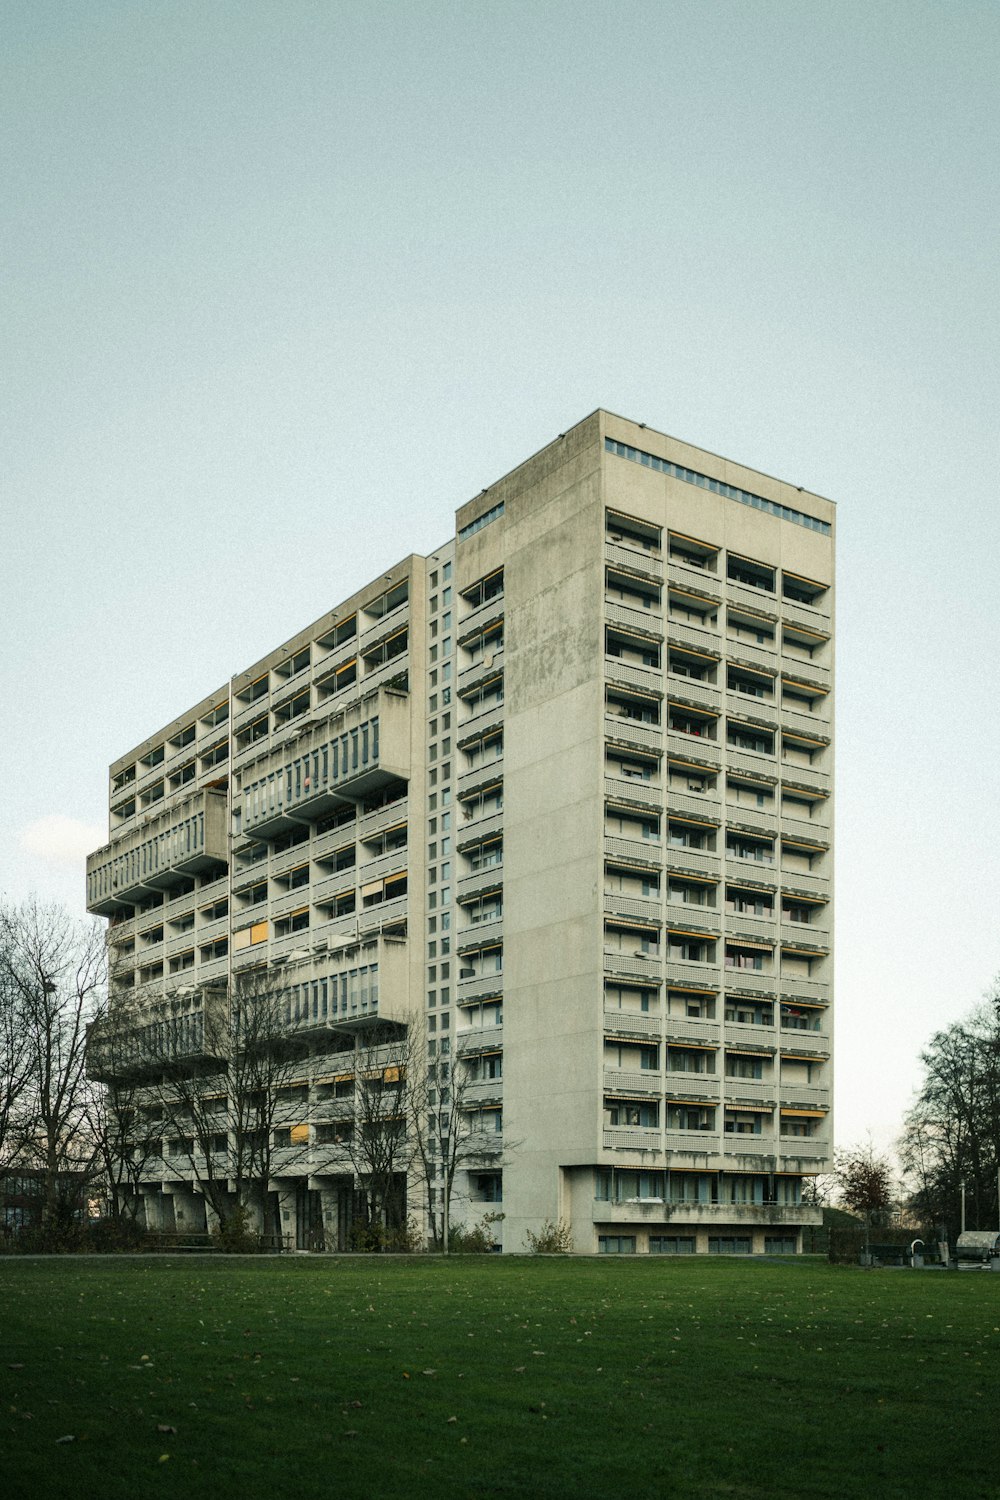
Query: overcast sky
[{"x": 285, "y": 283}]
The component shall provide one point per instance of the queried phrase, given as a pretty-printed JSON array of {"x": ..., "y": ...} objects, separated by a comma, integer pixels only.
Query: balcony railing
[
  {"x": 809, "y": 615},
  {"x": 618, "y": 1081},
  {"x": 618, "y": 904},
  {"x": 749, "y": 654},
  {"x": 650, "y": 970},
  {"x": 695, "y": 748},
  {"x": 680, "y": 861},
  {"x": 623, "y": 730},
  {"x": 632, "y": 1023},
  {"x": 189, "y": 836},
  {"x": 634, "y": 560},
  {"x": 480, "y": 987},
  {"x": 695, "y": 637},
  {"x": 691, "y": 692},
  {"x": 634, "y": 1140},
  {"x": 342, "y": 759},
  {"x": 656, "y": 1211},
  {"x": 646, "y": 621},
  {"x": 640, "y": 793},
  {"x": 649, "y": 679},
  {"x": 642, "y": 851},
  {"x": 681, "y": 1029}
]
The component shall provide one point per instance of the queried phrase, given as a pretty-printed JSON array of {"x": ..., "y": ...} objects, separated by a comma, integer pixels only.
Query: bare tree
[
  {"x": 444, "y": 1123},
  {"x": 379, "y": 1142},
  {"x": 53, "y": 970},
  {"x": 864, "y": 1181},
  {"x": 213, "y": 1076},
  {"x": 15, "y": 1066}
]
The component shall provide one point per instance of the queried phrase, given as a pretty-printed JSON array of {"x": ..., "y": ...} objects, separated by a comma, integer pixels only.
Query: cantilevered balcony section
[
  {"x": 343, "y": 759},
  {"x": 186, "y": 839}
]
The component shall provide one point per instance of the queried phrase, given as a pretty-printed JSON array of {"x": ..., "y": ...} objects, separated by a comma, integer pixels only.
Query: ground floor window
[
  {"x": 783, "y": 1244},
  {"x": 671, "y": 1244},
  {"x": 729, "y": 1245},
  {"x": 616, "y": 1244}
]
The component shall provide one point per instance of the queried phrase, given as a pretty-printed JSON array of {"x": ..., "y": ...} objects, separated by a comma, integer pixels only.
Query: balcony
[
  {"x": 480, "y": 987},
  {"x": 751, "y": 983},
  {"x": 476, "y": 724},
  {"x": 703, "y": 1088},
  {"x": 811, "y": 830},
  {"x": 681, "y": 860},
  {"x": 624, "y": 674},
  {"x": 620, "y": 729},
  {"x": 480, "y": 882},
  {"x": 342, "y": 759},
  {"x": 695, "y": 580},
  {"x": 634, "y": 560},
  {"x": 632, "y": 1023},
  {"x": 805, "y": 883},
  {"x": 618, "y": 904},
  {"x": 392, "y": 815},
  {"x": 187, "y": 837},
  {"x": 748, "y": 654},
  {"x": 805, "y": 989},
  {"x": 487, "y": 773},
  {"x": 392, "y": 863},
  {"x": 695, "y": 1029},
  {"x": 693, "y": 973},
  {"x": 699, "y": 1143},
  {"x": 758, "y": 600},
  {"x": 382, "y": 914},
  {"x": 617, "y": 1081},
  {"x": 477, "y": 825},
  {"x": 656, "y": 1211},
  {"x": 741, "y": 1035},
  {"x": 805, "y": 778},
  {"x": 478, "y": 935},
  {"x": 478, "y": 619},
  {"x": 807, "y": 670},
  {"x": 634, "y": 1140},
  {"x": 691, "y": 918},
  {"x": 761, "y": 764},
  {"x": 481, "y": 671},
  {"x": 693, "y": 637},
  {"x": 648, "y": 622},
  {"x": 638, "y": 851},
  {"x": 805, "y": 1095},
  {"x": 800, "y": 721},
  {"x": 751, "y": 1091},
  {"x": 384, "y": 628},
  {"x": 810, "y": 935},
  {"x": 695, "y": 804},
  {"x": 693, "y": 748},
  {"x": 741, "y": 924},
  {"x": 629, "y": 966},
  {"x": 808, "y": 615},
  {"x": 479, "y": 1039},
  {"x": 637, "y": 792},
  {"x": 691, "y": 692},
  {"x": 750, "y": 820}
]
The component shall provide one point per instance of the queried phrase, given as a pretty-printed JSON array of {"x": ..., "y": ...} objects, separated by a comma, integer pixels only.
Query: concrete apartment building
[{"x": 557, "y": 800}]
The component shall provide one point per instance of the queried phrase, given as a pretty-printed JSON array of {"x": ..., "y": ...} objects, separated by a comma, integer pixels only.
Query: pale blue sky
[{"x": 285, "y": 283}]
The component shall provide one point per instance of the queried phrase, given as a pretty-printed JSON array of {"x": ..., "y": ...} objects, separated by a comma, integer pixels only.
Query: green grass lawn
[{"x": 481, "y": 1377}]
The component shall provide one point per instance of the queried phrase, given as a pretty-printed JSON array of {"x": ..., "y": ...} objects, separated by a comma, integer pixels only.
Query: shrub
[
  {"x": 553, "y": 1238},
  {"x": 475, "y": 1239}
]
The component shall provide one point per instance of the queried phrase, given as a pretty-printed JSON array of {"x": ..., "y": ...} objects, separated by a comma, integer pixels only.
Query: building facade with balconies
[{"x": 556, "y": 800}]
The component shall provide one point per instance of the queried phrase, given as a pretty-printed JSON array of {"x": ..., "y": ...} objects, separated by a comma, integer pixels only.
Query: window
[
  {"x": 728, "y": 1245},
  {"x": 744, "y": 1066},
  {"x": 616, "y": 1244},
  {"x": 671, "y": 1244}
]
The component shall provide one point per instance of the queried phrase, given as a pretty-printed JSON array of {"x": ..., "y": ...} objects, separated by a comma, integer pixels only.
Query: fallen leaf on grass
[
  {"x": 163, "y": 1427},
  {"x": 69, "y": 1438}
]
